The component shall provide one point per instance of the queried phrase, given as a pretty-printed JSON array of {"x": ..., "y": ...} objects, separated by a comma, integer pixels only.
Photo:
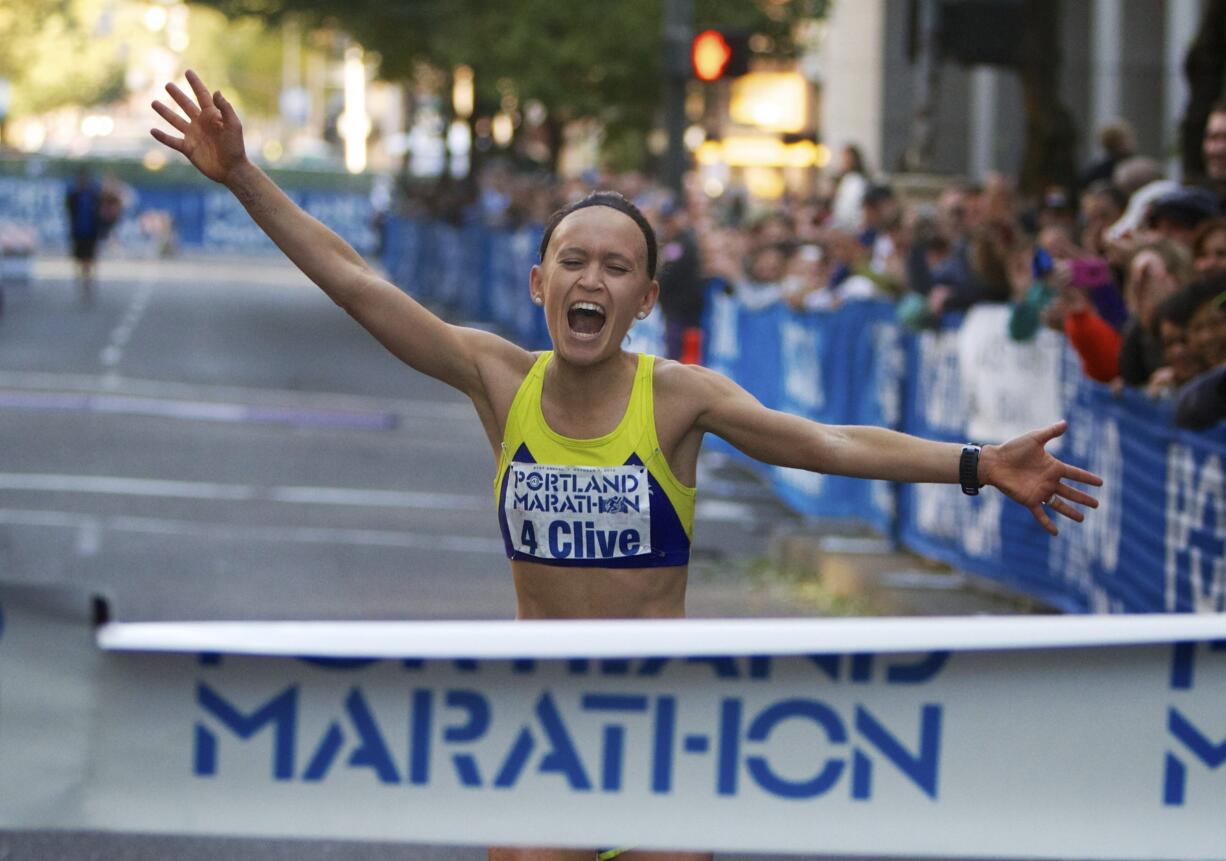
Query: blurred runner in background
[{"x": 85, "y": 225}]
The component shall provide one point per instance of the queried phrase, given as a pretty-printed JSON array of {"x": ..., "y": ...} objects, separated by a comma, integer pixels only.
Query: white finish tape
[{"x": 647, "y": 638}]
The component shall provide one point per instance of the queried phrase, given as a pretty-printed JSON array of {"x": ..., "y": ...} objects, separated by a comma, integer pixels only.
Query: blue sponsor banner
[
  {"x": 206, "y": 217},
  {"x": 478, "y": 272},
  {"x": 742, "y": 345},
  {"x": 838, "y": 368}
]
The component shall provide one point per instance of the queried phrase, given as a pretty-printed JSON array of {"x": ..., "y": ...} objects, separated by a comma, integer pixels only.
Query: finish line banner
[{"x": 1038, "y": 737}]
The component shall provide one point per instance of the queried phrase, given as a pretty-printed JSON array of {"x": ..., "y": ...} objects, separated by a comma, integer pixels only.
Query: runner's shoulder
[
  {"x": 693, "y": 385},
  {"x": 494, "y": 348},
  {"x": 501, "y": 365}
]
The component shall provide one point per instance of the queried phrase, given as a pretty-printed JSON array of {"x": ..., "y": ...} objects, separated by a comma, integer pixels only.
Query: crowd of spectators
[{"x": 1128, "y": 265}]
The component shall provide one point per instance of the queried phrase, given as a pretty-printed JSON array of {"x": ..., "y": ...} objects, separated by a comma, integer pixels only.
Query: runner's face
[{"x": 593, "y": 282}]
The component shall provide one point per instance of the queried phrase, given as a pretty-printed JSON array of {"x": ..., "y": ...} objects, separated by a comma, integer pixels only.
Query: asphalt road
[{"x": 213, "y": 439}]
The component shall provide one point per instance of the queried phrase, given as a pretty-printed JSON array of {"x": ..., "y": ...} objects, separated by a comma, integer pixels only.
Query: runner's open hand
[
  {"x": 212, "y": 134},
  {"x": 1024, "y": 471}
]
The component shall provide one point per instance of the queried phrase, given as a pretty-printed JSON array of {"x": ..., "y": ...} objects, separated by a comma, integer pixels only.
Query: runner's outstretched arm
[
  {"x": 1021, "y": 468},
  {"x": 212, "y": 140}
]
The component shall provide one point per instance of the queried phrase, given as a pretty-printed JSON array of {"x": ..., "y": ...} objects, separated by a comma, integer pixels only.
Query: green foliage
[
  {"x": 583, "y": 59},
  {"x": 624, "y": 149},
  {"x": 242, "y": 57},
  {"x": 39, "y": 39},
  {"x": 76, "y": 52}
]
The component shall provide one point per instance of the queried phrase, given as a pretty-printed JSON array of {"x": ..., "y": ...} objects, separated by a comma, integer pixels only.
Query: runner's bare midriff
[{"x": 554, "y": 592}]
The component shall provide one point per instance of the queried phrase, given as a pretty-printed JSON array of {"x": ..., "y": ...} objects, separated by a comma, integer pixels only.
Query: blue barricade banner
[
  {"x": 743, "y": 346},
  {"x": 207, "y": 217},
  {"x": 839, "y": 368},
  {"x": 38, "y": 204},
  {"x": 477, "y": 272},
  {"x": 866, "y": 737}
]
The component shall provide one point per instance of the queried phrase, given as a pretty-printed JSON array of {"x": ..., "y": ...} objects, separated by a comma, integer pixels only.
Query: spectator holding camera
[
  {"x": 1094, "y": 335},
  {"x": 1114, "y": 340}
]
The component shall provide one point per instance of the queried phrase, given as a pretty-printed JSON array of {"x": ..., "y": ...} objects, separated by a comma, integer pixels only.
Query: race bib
[{"x": 578, "y": 512}]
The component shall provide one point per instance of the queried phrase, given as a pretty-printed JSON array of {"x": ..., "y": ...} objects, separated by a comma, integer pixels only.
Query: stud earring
[
  {"x": 536, "y": 300},
  {"x": 641, "y": 315}
]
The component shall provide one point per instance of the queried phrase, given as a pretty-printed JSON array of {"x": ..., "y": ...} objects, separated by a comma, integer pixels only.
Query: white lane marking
[
  {"x": 230, "y": 532},
  {"x": 217, "y": 491},
  {"x": 184, "y": 409},
  {"x": 715, "y": 510},
  {"x": 211, "y": 411},
  {"x": 116, "y": 486},
  {"x": 112, "y": 382},
  {"x": 112, "y": 354},
  {"x": 48, "y": 519},
  {"x": 381, "y": 498}
]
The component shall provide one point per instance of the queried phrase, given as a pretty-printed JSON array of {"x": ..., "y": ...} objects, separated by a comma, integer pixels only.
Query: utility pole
[{"x": 678, "y": 33}]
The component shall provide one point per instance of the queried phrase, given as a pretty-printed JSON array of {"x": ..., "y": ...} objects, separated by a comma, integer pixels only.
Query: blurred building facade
[{"x": 1119, "y": 59}]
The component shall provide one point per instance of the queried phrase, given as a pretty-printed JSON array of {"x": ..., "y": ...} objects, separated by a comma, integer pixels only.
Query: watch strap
[{"x": 968, "y": 470}]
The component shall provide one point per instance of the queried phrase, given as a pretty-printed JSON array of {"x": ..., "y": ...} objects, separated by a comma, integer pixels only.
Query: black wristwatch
[{"x": 968, "y": 470}]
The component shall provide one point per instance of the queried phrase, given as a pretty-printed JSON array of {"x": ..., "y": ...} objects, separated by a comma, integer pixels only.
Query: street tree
[
  {"x": 39, "y": 36},
  {"x": 600, "y": 61}
]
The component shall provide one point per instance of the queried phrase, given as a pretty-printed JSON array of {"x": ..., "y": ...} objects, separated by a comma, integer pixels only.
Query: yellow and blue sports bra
[{"x": 608, "y": 502}]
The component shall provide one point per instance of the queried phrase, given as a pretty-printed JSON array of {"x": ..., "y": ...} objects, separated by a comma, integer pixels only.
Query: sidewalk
[{"x": 870, "y": 576}]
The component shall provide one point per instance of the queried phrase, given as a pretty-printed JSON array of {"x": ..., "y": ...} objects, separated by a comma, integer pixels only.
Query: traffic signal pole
[{"x": 678, "y": 32}]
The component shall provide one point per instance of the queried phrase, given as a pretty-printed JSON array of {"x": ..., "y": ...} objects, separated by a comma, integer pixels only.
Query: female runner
[{"x": 596, "y": 448}]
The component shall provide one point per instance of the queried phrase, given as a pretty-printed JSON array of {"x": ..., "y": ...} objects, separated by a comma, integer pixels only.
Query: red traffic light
[{"x": 711, "y": 53}]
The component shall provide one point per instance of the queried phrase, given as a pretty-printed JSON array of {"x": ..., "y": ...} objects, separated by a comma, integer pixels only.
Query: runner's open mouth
[{"x": 585, "y": 318}]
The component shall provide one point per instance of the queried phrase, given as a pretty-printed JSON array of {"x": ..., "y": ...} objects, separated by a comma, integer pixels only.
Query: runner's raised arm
[{"x": 212, "y": 140}]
